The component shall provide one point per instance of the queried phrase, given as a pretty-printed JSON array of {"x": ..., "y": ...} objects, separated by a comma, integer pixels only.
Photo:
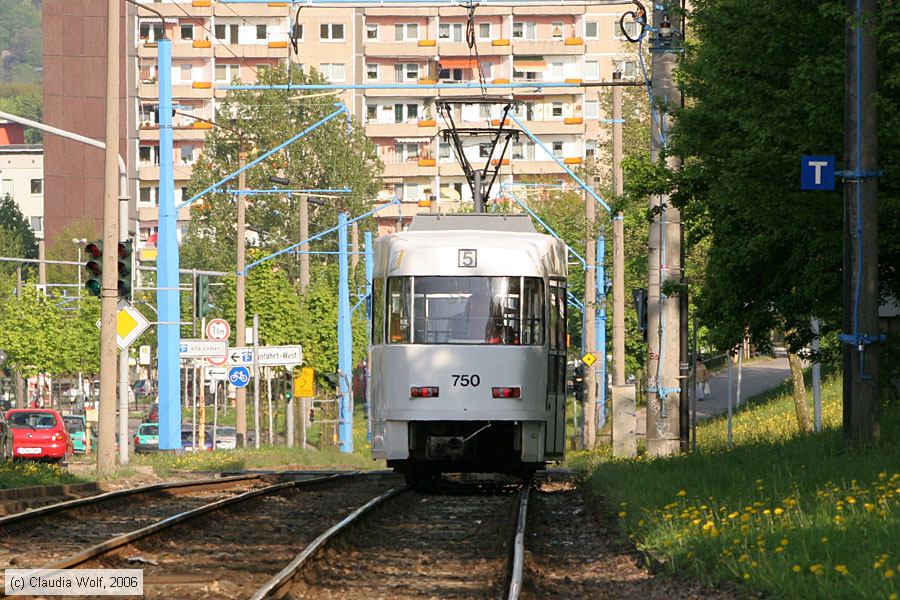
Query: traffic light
[
  {"x": 201, "y": 296},
  {"x": 94, "y": 266},
  {"x": 125, "y": 250},
  {"x": 640, "y": 306},
  {"x": 578, "y": 383}
]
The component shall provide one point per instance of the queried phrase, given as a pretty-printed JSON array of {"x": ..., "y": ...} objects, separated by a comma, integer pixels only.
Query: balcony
[
  {"x": 252, "y": 10},
  {"x": 273, "y": 49},
  {"x": 399, "y": 50},
  {"x": 546, "y": 48},
  {"x": 171, "y": 9},
  {"x": 187, "y": 134},
  {"x": 408, "y": 169},
  {"x": 400, "y": 130},
  {"x": 179, "y": 50},
  {"x": 149, "y": 215},
  {"x": 179, "y": 90},
  {"x": 535, "y": 167},
  {"x": 447, "y": 48}
]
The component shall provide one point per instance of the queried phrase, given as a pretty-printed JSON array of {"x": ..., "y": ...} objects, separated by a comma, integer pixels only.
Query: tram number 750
[{"x": 466, "y": 380}]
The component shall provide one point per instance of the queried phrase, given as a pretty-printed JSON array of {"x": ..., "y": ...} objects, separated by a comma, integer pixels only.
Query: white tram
[{"x": 468, "y": 356}]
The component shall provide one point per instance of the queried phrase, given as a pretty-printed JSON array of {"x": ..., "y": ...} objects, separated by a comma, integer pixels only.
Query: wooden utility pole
[
  {"x": 860, "y": 348},
  {"x": 664, "y": 268},
  {"x": 109, "y": 292},
  {"x": 240, "y": 313},
  {"x": 618, "y": 278},
  {"x": 590, "y": 312}
]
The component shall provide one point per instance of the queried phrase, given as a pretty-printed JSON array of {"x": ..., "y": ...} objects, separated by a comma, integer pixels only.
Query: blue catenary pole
[
  {"x": 168, "y": 301},
  {"x": 370, "y": 273},
  {"x": 600, "y": 331},
  {"x": 345, "y": 341}
]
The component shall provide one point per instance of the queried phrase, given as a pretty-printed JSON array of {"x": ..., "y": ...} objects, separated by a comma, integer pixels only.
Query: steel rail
[
  {"x": 17, "y": 518},
  {"x": 518, "y": 562},
  {"x": 275, "y": 587},
  {"x": 126, "y": 538}
]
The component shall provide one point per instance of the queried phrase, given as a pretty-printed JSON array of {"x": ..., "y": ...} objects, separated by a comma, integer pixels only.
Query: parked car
[
  {"x": 76, "y": 426},
  {"x": 39, "y": 433},
  {"x": 226, "y": 438},
  {"x": 147, "y": 438},
  {"x": 187, "y": 442},
  {"x": 6, "y": 440}
]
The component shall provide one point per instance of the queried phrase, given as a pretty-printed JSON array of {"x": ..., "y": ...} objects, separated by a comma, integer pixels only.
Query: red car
[{"x": 39, "y": 433}]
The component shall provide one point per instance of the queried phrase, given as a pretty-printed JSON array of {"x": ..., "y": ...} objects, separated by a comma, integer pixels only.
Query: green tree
[
  {"x": 20, "y": 41},
  {"x": 335, "y": 155},
  {"x": 31, "y": 329},
  {"x": 23, "y": 100},
  {"x": 16, "y": 237}
]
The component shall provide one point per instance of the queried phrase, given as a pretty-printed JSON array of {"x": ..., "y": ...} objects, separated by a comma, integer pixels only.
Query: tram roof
[{"x": 513, "y": 223}]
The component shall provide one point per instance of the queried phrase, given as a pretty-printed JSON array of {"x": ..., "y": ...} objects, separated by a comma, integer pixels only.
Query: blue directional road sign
[
  {"x": 816, "y": 172},
  {"x": 239, "y": 376}
]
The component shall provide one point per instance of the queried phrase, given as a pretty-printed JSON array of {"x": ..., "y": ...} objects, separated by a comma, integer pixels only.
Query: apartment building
[
  {"x": 215, "y": 43},
  {"x": 22, "y": 174},
  {"x": 425, "y": 45},
  {"x": 212, "y": 44}
]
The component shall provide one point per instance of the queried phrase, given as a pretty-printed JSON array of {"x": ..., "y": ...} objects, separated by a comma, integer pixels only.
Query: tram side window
[
  {"x": 562, "y": 335},
  {"x": 378, "y": 309},
  {"x": 533, "y": 312},
  {"x": 554, "y": 317},
  {"x": 398, "y": 310}
]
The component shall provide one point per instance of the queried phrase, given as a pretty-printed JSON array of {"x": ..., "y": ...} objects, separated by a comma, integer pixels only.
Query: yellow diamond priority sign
[
  {"x": 589, "y": 359},
  {"x": 130, "y": 323}
]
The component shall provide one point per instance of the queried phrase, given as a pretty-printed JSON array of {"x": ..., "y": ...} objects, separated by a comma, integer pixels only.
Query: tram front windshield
[{"x": 466, "y": 310}]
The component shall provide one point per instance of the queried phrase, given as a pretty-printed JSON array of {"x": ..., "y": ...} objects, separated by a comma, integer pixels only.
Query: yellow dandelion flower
[
  {"x": 733, "y": 515},
  {"x": 869, "y": 507},
  {"x": 796, "y": 568},
  {"x": 746, "y": 576},
  {"x": 622, "y": 514},
  {"x": 889, "y": 573},
  {"x": 824, "y": 540},
  {"x": 778, "y": 511},
  {"x": 681, "y": 493},
  {"x": 745, "y": 518},
  {"x": 779, "y": 549},
  {"x": 851, "y": 500},
  {"x": 767, "y": 512},
  {"x": 842, "y": 569}
]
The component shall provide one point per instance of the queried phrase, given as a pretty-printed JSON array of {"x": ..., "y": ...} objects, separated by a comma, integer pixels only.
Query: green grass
[
  {"x": 26, "y": 473},
  {"x": 795, "y": 516},
  {"x": 270, "y": 456}
]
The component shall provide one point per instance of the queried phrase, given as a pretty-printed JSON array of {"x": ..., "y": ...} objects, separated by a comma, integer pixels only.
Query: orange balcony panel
[
  {"x": 500, "y": 80},
  {"x": 424, "y": 203},
  {"x": 427, "y": 81},
  {"x": 496, "y": 161},
  {"x": 574, "y": 41},
  {"x": 500, "y": 42},
  {"x": 201, "y": 125},
  {"x": 572, "y": 160},
  {"x": 201, "y": 3},
  {"x": 426, "y": 43},
  {"x": 201, "y": 44},
  {"x": 573, "y": 120},
  {"x": 426, "y": 162},
  {"x": 428, "y": 123},
  {"x": 201, "y": 85},
  {"x": 281, "y": 44},
  {"x": 573, "y": 80},
  {"x": 496, "y": 122}
]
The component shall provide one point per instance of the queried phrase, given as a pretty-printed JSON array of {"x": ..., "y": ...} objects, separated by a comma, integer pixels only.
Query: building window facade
[
  {"x": 37, "y": 186},
  {"x": 331, "y": 32}
]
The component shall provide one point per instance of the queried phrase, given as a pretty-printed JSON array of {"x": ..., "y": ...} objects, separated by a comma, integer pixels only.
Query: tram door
[{"x": 556, "y": 370}]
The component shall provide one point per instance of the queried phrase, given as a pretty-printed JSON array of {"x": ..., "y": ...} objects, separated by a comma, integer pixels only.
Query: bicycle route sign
[{"x": 239, "y": 376}]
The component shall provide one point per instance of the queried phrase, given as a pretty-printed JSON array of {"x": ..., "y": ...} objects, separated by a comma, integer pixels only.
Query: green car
[
  {"x": 75, "y": 424},
  {"x": 147, "y": 438}
]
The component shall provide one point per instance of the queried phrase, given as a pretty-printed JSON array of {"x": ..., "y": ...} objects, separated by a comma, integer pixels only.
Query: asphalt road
[{"x": 756, "y": 377}]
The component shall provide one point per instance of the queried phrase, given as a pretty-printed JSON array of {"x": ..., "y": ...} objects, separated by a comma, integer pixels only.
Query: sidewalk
[{"x": 756, "y": 378}]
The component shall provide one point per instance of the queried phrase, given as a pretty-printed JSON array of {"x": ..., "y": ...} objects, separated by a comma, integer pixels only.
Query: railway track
[
  {"x": 38, "y": 537},
  {"x": 462, "y": 541},
  {"x": 228, "y": 548}
]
